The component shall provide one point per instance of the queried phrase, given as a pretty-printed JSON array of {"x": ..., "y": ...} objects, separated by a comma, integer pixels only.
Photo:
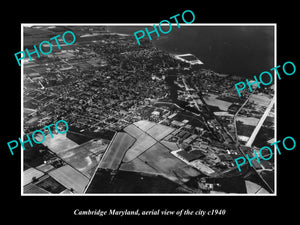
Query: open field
[
  {"x": 213, "y": 100},
  {"x": 172, "y": 146},
  {"x": 32, "y": 188},
  {"x": 248, "y": 120},
  {"x": 29, "y": 174},
  {"x": 260, "y": 99},
  {"x": 160, "y": 158},
  {"x": 116, "y": 151},
  {"x": 133, "y": 130},
  {"x": 85, "y": 157},
  {"x": 130, "y": 182},
  {"x": 158, "y": 132},
  {"x": 143, "y": 142},
  {"x": 45, "y": 167},
  {"x": 244, "y": 130},
  {"x": 59, "y": 142},
  {"x": 144, "y": 124},
  {"x": 70, "y": 178},
  {"x": 138, "y": 166},
  {"x": 49, "y": 184}
]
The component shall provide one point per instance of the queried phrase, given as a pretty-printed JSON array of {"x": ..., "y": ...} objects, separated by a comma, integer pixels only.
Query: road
[
  {"x": 260, "y": 123},
  {"x": 235, "y": 115},
  {"x": 116, "y": 151},
  {"x": 237, "y": 144}
]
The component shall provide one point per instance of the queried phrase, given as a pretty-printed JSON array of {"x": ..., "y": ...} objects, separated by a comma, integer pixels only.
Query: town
[{"x": 140, "y": 120}]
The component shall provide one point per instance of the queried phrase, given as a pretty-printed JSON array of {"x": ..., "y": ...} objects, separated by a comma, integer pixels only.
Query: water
[{"x": 236, "y": 50}]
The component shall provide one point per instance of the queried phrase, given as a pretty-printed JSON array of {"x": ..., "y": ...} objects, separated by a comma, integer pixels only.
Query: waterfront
[
  {"x": 235, "y": 50},
  {"x": 164, "y": 105}
]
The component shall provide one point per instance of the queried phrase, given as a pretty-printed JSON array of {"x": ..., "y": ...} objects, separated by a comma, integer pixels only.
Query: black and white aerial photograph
[
  {"x": 149, "y": 113},
  {"x": 153, "y": 115}
]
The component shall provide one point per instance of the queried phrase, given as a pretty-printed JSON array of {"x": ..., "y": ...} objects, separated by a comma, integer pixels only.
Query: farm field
[
  {"x": 70, "y": 178},
  {"x": 115, "y": 153},
  {"x": 59, "y": 142},
  {"x": 160, "y": 158},
  {"x": 85, "y": 157}
]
